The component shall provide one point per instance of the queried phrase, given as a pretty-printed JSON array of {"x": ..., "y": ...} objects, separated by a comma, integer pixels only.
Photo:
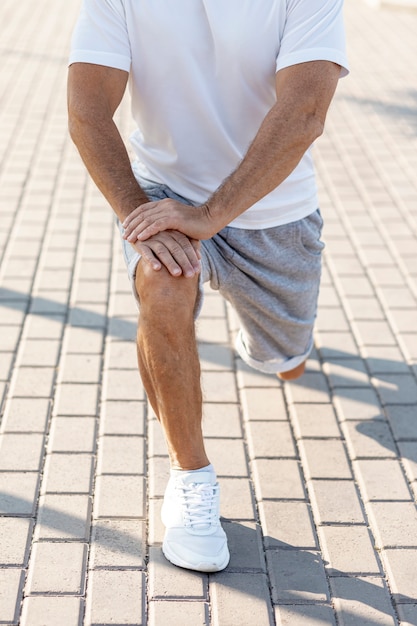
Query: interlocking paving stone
[{"x": 69, "y": 381}]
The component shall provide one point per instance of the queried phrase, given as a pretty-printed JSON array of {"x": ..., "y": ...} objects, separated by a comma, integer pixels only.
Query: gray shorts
[{"x": 271, "y": 278}]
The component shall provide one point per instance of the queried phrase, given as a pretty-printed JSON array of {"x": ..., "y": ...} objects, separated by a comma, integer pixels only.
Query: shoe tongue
[{"x": 199, "y": 477}]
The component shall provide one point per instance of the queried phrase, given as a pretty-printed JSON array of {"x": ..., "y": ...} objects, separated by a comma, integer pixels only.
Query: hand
[
  {"x": 178, "y": 253},
  {"x": 154, "y": 217}
]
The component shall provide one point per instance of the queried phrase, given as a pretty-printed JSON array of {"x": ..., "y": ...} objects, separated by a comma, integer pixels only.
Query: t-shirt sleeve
[
  {"x": 314, "y": 31},
  {"x": 101, "y": 36}
]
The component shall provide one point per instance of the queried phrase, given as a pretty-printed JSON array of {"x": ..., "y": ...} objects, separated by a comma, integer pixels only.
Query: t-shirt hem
[
  {"x": 315, "y": 54},
  {"x": 116, "y": 61},
  {"x": 279, "y": 217}
]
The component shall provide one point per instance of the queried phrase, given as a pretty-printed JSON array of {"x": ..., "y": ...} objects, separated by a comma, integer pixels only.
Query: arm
[
  {"x": 304, "y": 93},
  {"x": 94, "y": 93}
]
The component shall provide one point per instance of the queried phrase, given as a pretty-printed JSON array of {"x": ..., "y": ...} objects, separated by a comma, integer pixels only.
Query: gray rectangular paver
[
  {"x": 305, "y": 614},
  {"x": 272, "y": 406},
  {"x": 118, "y": 544},
  {"x": 335, "y": 501},
  {"x": 227, "y": 456},
  {"x": 363, "y": 601},
  {"x": 314, "y": 420},
  {"x": 64, "y": 517},
  {"x": 368, "y": 439},
  {"x": 297, "y": 576},
  {"x": 15, "y": 537},
  {"x": 121, "y": 455},
  {"x": 348, "y": 550},
  {"x": 270, "y": 439},
  {"x": 287, "y": 524},
  {"x": 21, "y": 452},
  {"x": 26, "y": 415},
  {"x": 236, "y": 598},
  {"x": 180, "y": 582},
  {"x": 119, "y": 496},
  {"x": 394, "y": 524},
  {"x": 381, "y": 479},
  {"x": 57, "y": 568},
  {"x": 68, "y": 473},
  {"x": 11, "y": 590},
  {"x": 75, "y": 399},
  {"x": 52, "y": 610},
  {"x": 115, "y": 598},
  {"x": 278, "y": 478},
  {"x": 72, "y": 434},
  {"x": 122, "y": 418},
  {"x": 18, "y": 492},
  {"x": 324, "y": 458},
  {"x": 401, "y": 566},
  {"x": 178, "y": 613}
]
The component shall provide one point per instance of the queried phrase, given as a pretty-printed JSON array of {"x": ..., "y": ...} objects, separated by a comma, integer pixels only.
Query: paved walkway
[{"x": 319, "y": 478}]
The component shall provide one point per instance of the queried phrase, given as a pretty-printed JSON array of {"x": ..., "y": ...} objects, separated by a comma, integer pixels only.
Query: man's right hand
[{"x": 170, "y": 248}]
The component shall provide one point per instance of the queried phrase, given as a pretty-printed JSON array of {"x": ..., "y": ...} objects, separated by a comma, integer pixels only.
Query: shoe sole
[{"x": 203, "y": 566}]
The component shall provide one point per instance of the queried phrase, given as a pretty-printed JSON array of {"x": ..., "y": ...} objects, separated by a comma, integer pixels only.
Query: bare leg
[
  {"x": 293, "y": 374},
  {"x": 169, "y": 364}
]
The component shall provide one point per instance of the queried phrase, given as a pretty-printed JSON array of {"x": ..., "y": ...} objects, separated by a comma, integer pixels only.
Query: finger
[
  {"x": 166, "y": 257},
  {"x": 182, "y": 251},
  {"x": 147, "y": 254}
]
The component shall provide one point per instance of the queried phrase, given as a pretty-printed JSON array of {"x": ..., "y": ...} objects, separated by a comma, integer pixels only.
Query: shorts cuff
[{"x": 271, "y": 366}]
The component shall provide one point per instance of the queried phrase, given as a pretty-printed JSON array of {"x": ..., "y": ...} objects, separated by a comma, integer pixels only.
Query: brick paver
[{"x": 319, "y": 477}]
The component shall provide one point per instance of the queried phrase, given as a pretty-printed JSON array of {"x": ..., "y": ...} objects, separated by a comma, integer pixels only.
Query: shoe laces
[{"x": 199, "y": 505}]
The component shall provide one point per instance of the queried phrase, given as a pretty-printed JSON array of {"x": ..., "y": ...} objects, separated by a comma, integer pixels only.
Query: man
[{"x": 227, "y": 98}]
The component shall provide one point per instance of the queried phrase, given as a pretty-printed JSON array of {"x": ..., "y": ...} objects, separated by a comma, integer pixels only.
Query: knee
[{"x": 161, "y": 292}]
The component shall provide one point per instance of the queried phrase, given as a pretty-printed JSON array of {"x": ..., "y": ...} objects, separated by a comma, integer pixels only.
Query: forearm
[
  {"x": 104, "y": 154},
  {"x": 280, "y": 143}
]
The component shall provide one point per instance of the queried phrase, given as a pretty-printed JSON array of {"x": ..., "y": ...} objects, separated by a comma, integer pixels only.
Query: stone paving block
[
  {"x": 91, "y": 291},
  {"x": 227, "y": 456},
  {"x": 335, "y": 502},
  {"x": 369, "y": 439},
  {"x": 248, "y": 377},
  {"x": 287, "y": 524},
  {"x": 336, "y": 344},
  {"x": 80, "y": 340},
  {"x": 88, "y": 316},
  {"x": 63, "y": 517},
  {"x": 215, "y": 357},
  {"x": 11, "y": 591},
  {"x": 401, "y": 566},
  {"x": 50, "y": 302},
  {"x": 118, "y": 544},
  {"x": 408, "y": 450},
  {"x": 297, "y": 576},
  {"x": 403, "y": 320},
  {"x": 6, "y": 363},
  {"x": 394, "y": 524},
  {"x": 311, "y": 388},
  {"x": 373, "y": 332},
  {"x": 305, "y": 614},
  {"x": 362, "y": 308},
  {"x": 385, "y": 360},
  {"x": 122, "y": 385},
  {"x": 72, "y": 434},
  {"x": 36, "y": 353},
  {"x": 279, "y": 479},
  {"x": 119, "y": 496},
  {"x": 331, "y": 319},
  {"x": 115, "y": 598},
  {"x": 270, "y": 439},
  {"x": 314, "y": 420},
  {"x": 236, "y": 500},
  {"x": 121, "y": 355},
  {"x": 381, "y": 479},
  {"x": 21, "y": 452},
  {"x": 408, "y": 343},
  {"x": 9, "y": 337},
  {"x": 15, "y": 537},
  {"x": 158, "y": 471},
  {"x": 80, "y": 368},
  {"x": 396, "y": 388},
  {"x": 68, "y": 473},
  {"x": 397, "y": 297},
  {"x": 271, "y": 407},
  {"x": 121, "y": 455},
  {"x": 156, "y": 529},
  {"x": 407, "y": 614},
  {"x": 122, "y": 418},
  {"x": 178, "y": 613},
  {"x": 245, "y": 546},
  {"x": 219, "y": 387},
  {"x": 212, "y": 330},
  {"x": 73, "y": 399},
  {"x": 221, "y": 420},
  {"x": 348, "y": 550},
  {"x": 167, "y": 580},
  {"x": 363, "y": 601},
  {"x": 122, "y": 329},
  {"x": 50, "y": 611},
  {"x": 35, "y": 382},
  {"x": 18, "y": 492},
  {"x": 44, "y": 326},
  {"x": 346, "y": 373},
  {"x": 403, "y": 421},
  {"x": 26, "y": 415},
  {"x": 357, "y": 404},
  {"x": 236, "y": 598},
  {"x": 47, "y": 575},
  {"x": 325, "y": 458}
]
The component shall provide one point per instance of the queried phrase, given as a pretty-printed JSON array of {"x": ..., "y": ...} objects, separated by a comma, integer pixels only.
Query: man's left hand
[{"x": 154, "y": 217}]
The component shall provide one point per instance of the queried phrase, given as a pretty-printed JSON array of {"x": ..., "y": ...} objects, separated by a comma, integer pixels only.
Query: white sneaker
[{"x": 194, "y": 538}]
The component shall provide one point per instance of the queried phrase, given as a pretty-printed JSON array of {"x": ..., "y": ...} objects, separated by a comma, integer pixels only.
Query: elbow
[{"x": 314, "y": 126}]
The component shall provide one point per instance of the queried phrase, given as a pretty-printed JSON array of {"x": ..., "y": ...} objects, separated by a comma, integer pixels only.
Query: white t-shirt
[{"x": 202, "y": 79}]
